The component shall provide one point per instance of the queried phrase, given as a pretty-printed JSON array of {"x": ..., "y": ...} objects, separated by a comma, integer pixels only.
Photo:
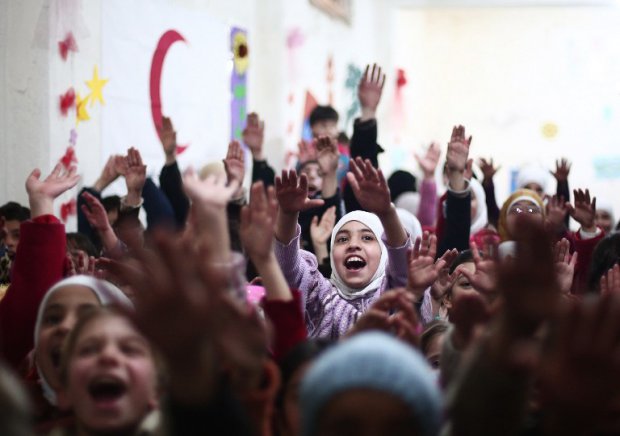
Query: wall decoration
[
  {"x": 607, "y": 167},
  {"x": 81, "y": 114},
  {"x": 238, "y": 81},
  {"x": 68, "y": 209},
  {"x": 354, "y": 75},
  {"x": 96, "y": 87},
  {"x": 330, "y": 79},
  {"x": 67, "y": 45},
  {"x": 69, "y": 158},
  {"x": 163, "y": 45},
  {"x": 67, "y": 101},
  {"x": 340, "y": 9},
  {"x": 550, "y": 130}
]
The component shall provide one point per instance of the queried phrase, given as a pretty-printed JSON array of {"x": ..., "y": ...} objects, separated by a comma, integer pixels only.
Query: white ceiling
[{"x": 503, "y": 3}]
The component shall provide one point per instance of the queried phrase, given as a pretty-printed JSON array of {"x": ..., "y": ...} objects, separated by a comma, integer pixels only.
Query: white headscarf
[
  {"x": 533, "y": 173},
  {"x": 480, "y": 220},
  {"x": 374, "y": 224},
  {"x": 410, "y": 223},
  {"x": 410, "y": 201},
  {"x": 106, "y": 293}
]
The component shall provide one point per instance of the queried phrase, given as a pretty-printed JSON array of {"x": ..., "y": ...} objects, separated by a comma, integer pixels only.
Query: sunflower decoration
[{"x": 240, "y": 53}]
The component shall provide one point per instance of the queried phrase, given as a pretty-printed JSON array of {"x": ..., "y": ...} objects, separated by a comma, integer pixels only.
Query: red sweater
[
  {"x": 288, "y": 323},
  {"x": 39, "y": 263}
]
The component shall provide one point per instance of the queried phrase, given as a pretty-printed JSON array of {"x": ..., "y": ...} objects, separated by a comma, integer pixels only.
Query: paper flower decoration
[
  {"x": 68, "y": 209},
  {"x": 69, "y": 158},
  {"x": 401, "y": 78},
  {"x": 240, "y": 53},
  {"x": 66, "y": 45},
  {"x": 67, "y": 101},
  {"x": 550, "y": 130}
]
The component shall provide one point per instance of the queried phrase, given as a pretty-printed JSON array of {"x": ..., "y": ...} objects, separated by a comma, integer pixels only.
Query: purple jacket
[{"x": 327, "y": 314}]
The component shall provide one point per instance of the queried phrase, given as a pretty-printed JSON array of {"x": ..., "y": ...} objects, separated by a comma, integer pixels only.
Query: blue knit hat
[{"x": 372, "y": 360}]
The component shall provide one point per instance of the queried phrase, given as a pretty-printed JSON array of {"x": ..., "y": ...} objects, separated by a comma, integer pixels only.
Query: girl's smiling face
[
  {"x": 61, "y": 312},
  {"x": 357, "y": 253},
  {"x": 110, "y": 378}
]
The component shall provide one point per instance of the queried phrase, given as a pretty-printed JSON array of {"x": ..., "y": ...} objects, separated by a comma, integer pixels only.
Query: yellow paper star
[
  {"x": 81, "y": 114},
  {"x": 96, "y": 87}
]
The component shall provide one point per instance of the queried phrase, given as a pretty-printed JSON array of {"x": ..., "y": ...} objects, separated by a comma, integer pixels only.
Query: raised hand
[
  {"x": 109, "y": 174},
  {"x": 135, "y": 177},
  {"x": 307, "y": 151},
  {"x": 468, "y": 312},
  {"x": 258, "y": 222},
  {"x": 392, "y": 313},
  {"x": 423, "y": 270},
  {"x": 321, "y": 231},
  {"x": 235, "y": 163},
  {"x": 327, "y": 154},
  {"x": 42, "y": 193},
  {"x": 184, "y": 307},
  {"x": 292, "y": 193},
  {"x": 562, "y": 170},
  {"x": 488, "y": 168},
  {"x": 428, "y": 163},
  {"x": 369, "y": 91},
  {"x": 369, "y": 187},
  {"x": 95, "y": 212},
  {"x": 458, "y": 150},
  {"x": 564, "y": 265},
  {"x": 584, "y": 210},
  {"x": 254, "y": 135},
  {"x": 556, "y": 212},
  {"x": 530, "y": 293},
  {"x": 457, "y": 158},
  {"x": 211, "y": 193},
  {"x": 444, "y": 281},
  {"x": 579, "y": 372},
  {"x": 81, "y": 264},
  {"x": 168, "y": 138},
  {"x": 610, "y": 281},
  {"x": 484, "y": 279}
]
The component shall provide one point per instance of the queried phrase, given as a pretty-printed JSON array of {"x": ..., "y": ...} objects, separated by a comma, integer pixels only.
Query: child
[
  {"x": 108, "y": 375},
  {"x": 372, "y": 384},
  {"x": 365, "y": 261}
]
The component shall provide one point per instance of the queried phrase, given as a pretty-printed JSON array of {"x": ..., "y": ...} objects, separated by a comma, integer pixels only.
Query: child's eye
[
  {"x": 368, "y": 238},
  {"x": 52, "y": 319},
  {"x": 87, "y": 350},
  {"x": 465, "y": 284},
  {"x": 341, "y": 239}
]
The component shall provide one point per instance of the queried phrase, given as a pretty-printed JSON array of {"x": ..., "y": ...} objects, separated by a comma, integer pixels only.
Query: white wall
[
  {"x": 32, "y": 75},
  {"x": 504, "y": 73}
]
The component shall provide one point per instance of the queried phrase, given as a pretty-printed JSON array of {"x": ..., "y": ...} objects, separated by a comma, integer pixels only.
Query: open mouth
[
  {"x": 55, "y": 357},
  {"x": 354, "y": 263},
  {"x": 312, "y": 190},
  {"x": 106, "y": 389}
]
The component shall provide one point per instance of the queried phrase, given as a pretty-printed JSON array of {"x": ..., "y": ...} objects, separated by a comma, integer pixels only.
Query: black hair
[
  {"x": 343, "y": 138},
  {"x": 463, "y": 257},
  {"x": 606, "y": 254},
  {"x": 113, "y": 202},
  {"x": 299, "y": 355},
  {"x": 400, "y": 182},
  {"x": 81, "y": 242},
  {"x": 432, "y": 329},
  {"x": 323, "y": 113},
  {"x": 13, "y": 211}
]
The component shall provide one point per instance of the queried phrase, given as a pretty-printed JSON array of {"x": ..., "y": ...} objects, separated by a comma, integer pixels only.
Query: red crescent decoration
[{"x": 166, "y": 40}]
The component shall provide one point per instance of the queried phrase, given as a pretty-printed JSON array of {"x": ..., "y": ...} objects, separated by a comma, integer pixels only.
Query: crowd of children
[{"x": 325, "y": 300}]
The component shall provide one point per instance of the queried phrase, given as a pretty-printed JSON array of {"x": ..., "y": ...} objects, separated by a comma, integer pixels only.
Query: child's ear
[
  {"x": 63, "y": 400},
  {"x": 447, "y": 301}
]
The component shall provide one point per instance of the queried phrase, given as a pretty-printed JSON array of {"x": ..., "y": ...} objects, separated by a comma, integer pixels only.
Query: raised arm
[
  {"x": 39, "y": 263},
  {"x": 253, "y": 138}
]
